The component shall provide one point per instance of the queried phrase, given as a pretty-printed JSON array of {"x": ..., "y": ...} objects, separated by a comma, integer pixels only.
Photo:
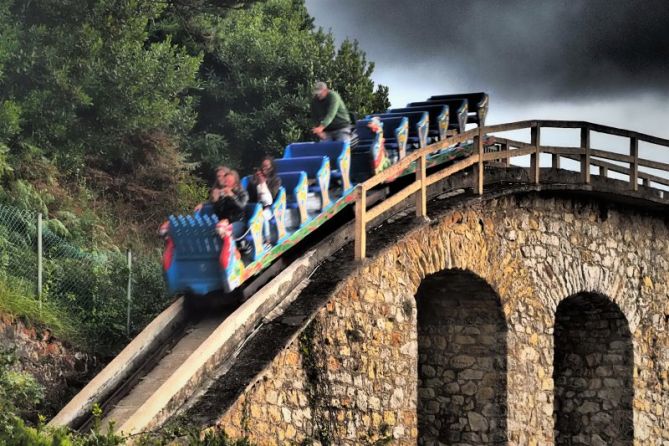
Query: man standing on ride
[{"x": 330, "y": 114}]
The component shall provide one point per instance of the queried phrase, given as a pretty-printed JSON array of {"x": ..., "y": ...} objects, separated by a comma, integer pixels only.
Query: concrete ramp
[
  {"x": 122, "y": 367},
  {"x": 187, "y": 367},
  {"x": 193, "y": 336}
]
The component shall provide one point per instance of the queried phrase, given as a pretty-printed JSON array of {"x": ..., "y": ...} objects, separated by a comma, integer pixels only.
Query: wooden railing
[{"x": 505, "y": 149}]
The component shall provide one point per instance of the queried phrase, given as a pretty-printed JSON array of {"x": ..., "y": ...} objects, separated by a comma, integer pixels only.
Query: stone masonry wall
[
  {"x": 593, "y": 373},
  {"x": 351, "y": 377},
  {"x": 348, "y": 379},
  {"x": 461, "y": 361},
  {"x": 59, "y": 369}
]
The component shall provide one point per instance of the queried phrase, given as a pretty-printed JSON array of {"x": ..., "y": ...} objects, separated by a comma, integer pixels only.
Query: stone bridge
[
  {"x": 531, "y": 311},
  {"x": 529, "y": 315}
]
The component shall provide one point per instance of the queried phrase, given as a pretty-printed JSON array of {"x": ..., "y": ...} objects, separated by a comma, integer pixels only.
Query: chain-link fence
[{"x": 94, "y": 287}]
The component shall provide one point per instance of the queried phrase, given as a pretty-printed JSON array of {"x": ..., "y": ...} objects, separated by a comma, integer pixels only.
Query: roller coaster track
[
  {"x": 177, "y": 357},
  {"x": 180, "y": 349}
]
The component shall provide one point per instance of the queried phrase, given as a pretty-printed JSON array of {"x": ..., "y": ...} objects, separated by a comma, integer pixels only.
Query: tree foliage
[
  {"x": 259, "y": 65},
  {"x": 93, "y": 80},
  {"x": 79, "y": 78},
  {"x": 104, "y": 107}
]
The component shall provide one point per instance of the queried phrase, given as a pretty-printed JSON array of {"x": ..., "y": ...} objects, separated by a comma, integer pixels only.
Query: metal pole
[
  {"x": 39, "y": 260},
  {"x": 129, "y": 290}
]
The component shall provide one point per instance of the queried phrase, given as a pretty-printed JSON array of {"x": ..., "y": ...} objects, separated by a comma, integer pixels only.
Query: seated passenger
[
  {"x": 264, "y": 187},
  {"x": 215, "y": 191},
  {"x": 230, "y": 201},
  {"x": 266, "y": 183}
]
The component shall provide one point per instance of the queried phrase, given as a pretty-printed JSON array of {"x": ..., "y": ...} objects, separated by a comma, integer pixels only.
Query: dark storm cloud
[{"x": 515, "y": 48}]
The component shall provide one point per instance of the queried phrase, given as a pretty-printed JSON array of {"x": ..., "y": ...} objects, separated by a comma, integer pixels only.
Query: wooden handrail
[
  {"x": 478, "y": 146},
  {"x": 535, "y": 142},
  {"x": 553, "y": 150},
  {"x": 508, "y": 149},
  {"x": 599, "y": 128},
  {"x": 519, "y": 125},
  {"x": 397, "y": 168},
  {"x": 623, "y": 170}
]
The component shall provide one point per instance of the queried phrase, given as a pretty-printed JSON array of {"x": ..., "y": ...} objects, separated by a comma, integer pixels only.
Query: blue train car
[{"x": 204, "y": 254}]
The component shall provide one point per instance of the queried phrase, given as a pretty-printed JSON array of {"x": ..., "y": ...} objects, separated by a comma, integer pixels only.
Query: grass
[{"x": 18, "y": 301}]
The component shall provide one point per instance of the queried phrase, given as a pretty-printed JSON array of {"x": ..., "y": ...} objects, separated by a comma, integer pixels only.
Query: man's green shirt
[{"x": 331, "y": 112}]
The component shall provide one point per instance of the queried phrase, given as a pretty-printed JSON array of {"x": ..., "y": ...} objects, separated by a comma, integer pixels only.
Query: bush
[
  {"x": 15, "y": 432},
  {"x": 19, "y": 391},
  {"x": 94, "y": 290},
  {"x": 84, "y": 292},
  {"x": 191, "y": 437},
  {"x": 17, "y": 299},
  {"x": 19, "y": 394}
]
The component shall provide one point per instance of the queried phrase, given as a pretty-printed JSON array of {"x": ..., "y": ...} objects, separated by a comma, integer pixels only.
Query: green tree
[
  {"x": 84, "y": 82},
  {"x": 350, "y": 73},
  {"x": 259, "y": 65}
]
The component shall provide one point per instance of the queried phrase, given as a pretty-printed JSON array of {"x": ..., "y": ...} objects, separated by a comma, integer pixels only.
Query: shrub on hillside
[{"x": 95, "y": 294}]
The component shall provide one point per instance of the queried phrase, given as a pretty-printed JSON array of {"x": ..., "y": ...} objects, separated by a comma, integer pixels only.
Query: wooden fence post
[
  {"x": 360, "y": 247},
  {"x": 478, "y": 145},
  {"x": 555, "y": 161},
  {"x": 421, "y": 195},
  {"x": 585, "y": 158},
  {"x": 634, "y": 165},
  {"x": 507, "y": 161},
  {"x": 535, "y": 136}
]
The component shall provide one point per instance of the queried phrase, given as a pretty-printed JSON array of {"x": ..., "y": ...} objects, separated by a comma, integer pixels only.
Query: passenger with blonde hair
[
  {"x": 217, "y": 188},
  {"x": 230, "y": 201}
]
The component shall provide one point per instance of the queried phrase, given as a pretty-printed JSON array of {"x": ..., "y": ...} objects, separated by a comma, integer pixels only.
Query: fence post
[
  {"x": 421, "y": 195},
  {"x": 478, "y": 145},
  {"x": 360, "y": 224},
  {"x": 535, "y": 140},
  {"x": 39, "y": 260},
  {"x": 506, "y": 160},
  {"x": 585, "y": 158},
  {"x": 555, "y": 161},
  {"x": 634, "y": 165},
  {"x": 129, "y": 290}
]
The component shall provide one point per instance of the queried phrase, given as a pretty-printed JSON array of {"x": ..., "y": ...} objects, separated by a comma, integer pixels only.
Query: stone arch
[
  {"x": 593, "y": 372},
  {"x": 533, "y": 251},
  {"x": 461, "y": 360}
]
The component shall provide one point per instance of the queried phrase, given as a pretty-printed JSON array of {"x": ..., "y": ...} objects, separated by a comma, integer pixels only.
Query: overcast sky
[{"x": 605, "y": 61}]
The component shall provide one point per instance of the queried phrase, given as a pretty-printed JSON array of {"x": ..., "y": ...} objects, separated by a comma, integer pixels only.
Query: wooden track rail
[{"x": 502, "y": 151}]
